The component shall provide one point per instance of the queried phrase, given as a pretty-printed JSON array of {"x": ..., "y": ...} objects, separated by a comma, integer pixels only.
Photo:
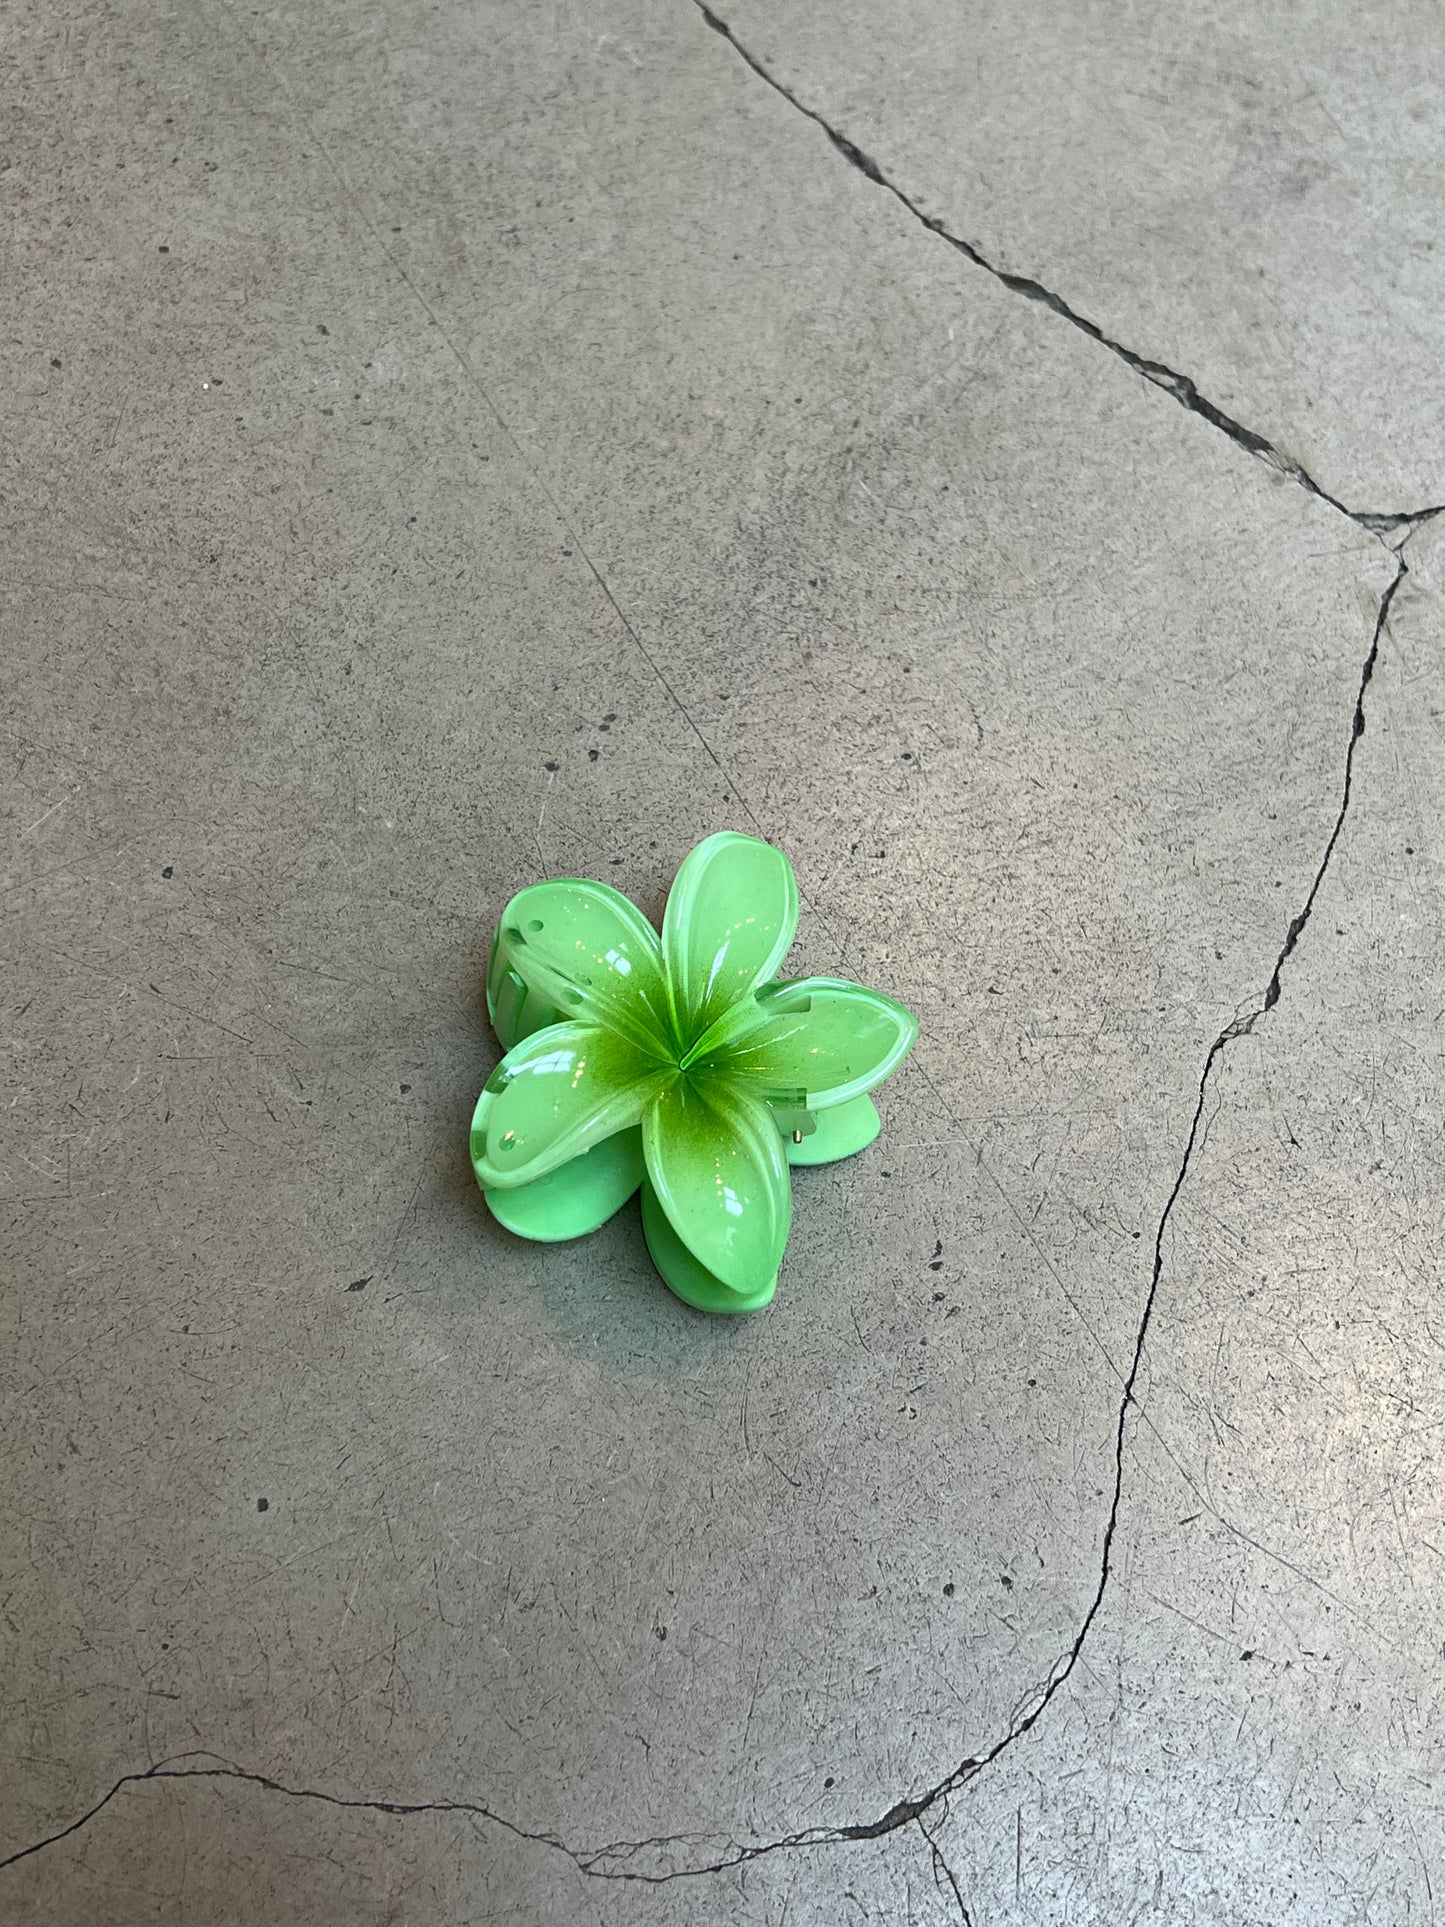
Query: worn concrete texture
[{"x": 447, "y": 444}]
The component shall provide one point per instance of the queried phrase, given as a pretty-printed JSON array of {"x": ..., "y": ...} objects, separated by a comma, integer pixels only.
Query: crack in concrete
[
  {"x": 610, "y": 1862},
  {"x": 942, "y": 1871},
  {"x": 169, "y": 1769},
  {"x": 1182, "y": 387}
]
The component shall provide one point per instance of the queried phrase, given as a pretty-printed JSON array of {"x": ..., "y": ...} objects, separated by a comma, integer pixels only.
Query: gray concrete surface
[
  {"x": 448, "y": 444},
  {"x": 1247, "y": 195}
]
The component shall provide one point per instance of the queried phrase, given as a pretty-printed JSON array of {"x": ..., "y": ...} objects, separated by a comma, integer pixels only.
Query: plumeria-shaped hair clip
[{"x": 680, "y": 1067}]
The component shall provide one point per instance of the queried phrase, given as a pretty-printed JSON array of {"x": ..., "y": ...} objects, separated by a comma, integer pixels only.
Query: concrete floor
[{"x": 450, "y": 443}]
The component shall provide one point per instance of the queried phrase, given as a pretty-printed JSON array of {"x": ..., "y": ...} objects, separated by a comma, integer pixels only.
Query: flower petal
[
  {"x": 841, "y": 1130},
  {"x": 561, "y": 1091},
  {"x": 515, "y": 1010},
  {"x": 730, "y": 921},
  {"x": 715, "y": 1159},
  {"x": 811, "y": 1043},
  {"x": 583, "y": 947},
  {"x": 578, "y": 1196},
  {"x": 681, "y": 1272}
]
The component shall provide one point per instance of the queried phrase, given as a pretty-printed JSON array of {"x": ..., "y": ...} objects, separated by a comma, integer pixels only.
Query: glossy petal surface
[
  {"x": 586, "y": 949},
  {"x": 553, "y": 1097},
  {"x": 681, "y": 1272},
  {"x": 715, "y": 1158},
  {"x": 575, "y": 1198},
  {"x": 730, "y": 921},
  {"x": 815, "y": 1042}
]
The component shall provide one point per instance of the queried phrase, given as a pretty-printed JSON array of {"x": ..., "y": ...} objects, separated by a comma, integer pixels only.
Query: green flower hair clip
[{"x": 679, "y": 1066}]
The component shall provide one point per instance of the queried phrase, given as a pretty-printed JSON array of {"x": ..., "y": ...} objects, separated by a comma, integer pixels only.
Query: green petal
[
  {"x": 556, "y": 1095},
  {"x": 715, "y": 1158},
  {"x": 812, "y": 1043},
  {"x": 578, "y": 1196},
  {"x": 584, "y": 948},
  {"x": 681, "y": 1272},
  {"x": 515, "y": 1010},
  {"x": 730, "y": 921},
  {"x": 841, "y": 1130}
]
